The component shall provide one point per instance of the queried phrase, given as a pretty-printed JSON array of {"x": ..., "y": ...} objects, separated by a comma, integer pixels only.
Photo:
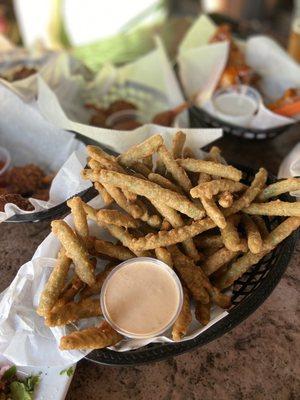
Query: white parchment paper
[
  {"x": 30, "y": 138},
  {"x": 154, "y": 71},
  {"x": 290, "y": 167},
  {"x": 24, "y": 339},
  {"x": 201, "y": 64}
]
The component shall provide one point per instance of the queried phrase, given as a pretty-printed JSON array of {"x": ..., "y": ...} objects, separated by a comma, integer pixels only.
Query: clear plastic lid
[{"x": 125, "y": 264}]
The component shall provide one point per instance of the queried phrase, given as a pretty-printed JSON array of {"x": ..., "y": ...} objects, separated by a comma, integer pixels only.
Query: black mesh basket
[
  {"x": 61, "y": 209},
  {"x": 200, "y": 118},
  {"x": 249, "y": 292}
]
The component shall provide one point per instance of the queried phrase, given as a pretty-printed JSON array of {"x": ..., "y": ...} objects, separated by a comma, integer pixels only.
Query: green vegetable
[
  {"x": 24, "y": 390},
  {"x": 18, "y": 391},
  {"x": 68, "y": 371},
  {"x": 10, "y": 373},
  {"x": 31, "y": 382}
]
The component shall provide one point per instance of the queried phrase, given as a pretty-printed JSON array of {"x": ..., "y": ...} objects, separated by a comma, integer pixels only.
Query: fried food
[
  {"x": 188, "y": 153},
  {"x": 69, "y": 292},
  {"x": 230, "y": 235},
  {"x": 164, "y": 255},
  {"x": 72, "y": 312},
  {"x": 209, "y": 241},
  {"x": 175, "y": 170},
  {"x": 91, "y": 338},
  {"x": 80, "y": 219},
  {"x": 211, "y": 168},
  {"x": 190, "y": 275},
  {"x": 98, "y": 119},
  {"x": 280, "y": 187},
  {"x": 16, "y": 199},
  {"x": 152, "y": 220},
  {"x": 174, "y": 218},
  {"x": 132, "y": 209},
  {"x": 202, "y": 312},
  {"x": 90, "y": 212},
  {"x": 127, "y": 125},
  {"x": 164, "y": 182},
  {"x": 24, "y": 180},
  {"x": 242, "y": 264},
  {"x": 22, "y": 73},
  {"x": 197, "y": 282},
  {"x": 75, "y": 250},
  {"x": 115, "y": 217},
  {"x": 151, "y": 190},
  {"x": 287, "y": 105},
  {"x": 148, "y": 162},
  {"x": 102, "y": 113},
  {"x": 250, "y": 194},
  {"x": 276, "y": 207},
  {"x": 126, "y": 239},
  {"x": 213, "y": 212},
  {"x": 184, "y": 319},
  {"x": 225, "y": 199},
  {"x": 96, "y": 288},
  {"x": 203, "y": 242},
  {"x": 236, "y": 70},
  {"x": 109, "y": 162},
  {"x": 55, "y": 284},
  {"x": 19, "y": 183},
  {"x": 140, "y": 151},
  {"x": 112, "y": 250},
  {"x": 217, "y": 260},
  {"x": 106, "y": 197},
  {"x": 121, "y": 105},
  {"x": 173, "y": 236},
  {"x": 254, "y": 238},
  {"x": 262, "y": 227},
  {"x": 178, "y": 144},
  {"x": 214, "y": 187},
  {"x": 167, "y": 118}
]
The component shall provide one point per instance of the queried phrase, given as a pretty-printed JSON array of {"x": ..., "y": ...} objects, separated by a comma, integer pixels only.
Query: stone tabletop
[{"x": 259, "y": 359}]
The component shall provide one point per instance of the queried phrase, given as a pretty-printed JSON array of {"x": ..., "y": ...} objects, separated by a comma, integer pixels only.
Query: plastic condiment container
[
  {"x": 5, "y": 160},
  {"x": 124, "y": 116},
  {"x": 141, "y": 298},
  {"x": 236, "y": 104}
]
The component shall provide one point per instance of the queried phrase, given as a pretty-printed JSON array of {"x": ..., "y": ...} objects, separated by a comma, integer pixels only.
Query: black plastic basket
[
  {"x": 200, "y": 118},
  {"x": 249, "y": 292},
  {"x": 62, "y": 208}
]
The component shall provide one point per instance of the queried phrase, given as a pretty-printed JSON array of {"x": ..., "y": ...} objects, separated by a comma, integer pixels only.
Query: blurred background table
[{"x": 257, "y": 360}]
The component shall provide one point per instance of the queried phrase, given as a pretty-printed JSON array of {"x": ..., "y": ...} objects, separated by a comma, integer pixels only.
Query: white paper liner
[
  {"x": 65, "y": 108},
  {"x": 201, "y": 65},
  {"x": 24, "y": 338},
  {"x": 31, "y": 139},
  {"x": 290, "y": 167},
  {"x": 113, "y": 139}
]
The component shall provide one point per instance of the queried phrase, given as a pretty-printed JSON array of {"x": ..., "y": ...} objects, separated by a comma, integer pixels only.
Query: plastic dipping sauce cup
[
  {"x": 141, "y": 298},
  {"x": 236, "y": 104}
]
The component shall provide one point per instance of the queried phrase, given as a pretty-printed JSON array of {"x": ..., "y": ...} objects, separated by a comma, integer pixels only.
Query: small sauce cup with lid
[
  {"x": 141, "y": 298},
  {"x": 236, "y": 104}
]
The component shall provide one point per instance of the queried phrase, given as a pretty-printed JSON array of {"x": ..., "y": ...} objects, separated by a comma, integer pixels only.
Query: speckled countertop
[{"x": 259, "y": 359}]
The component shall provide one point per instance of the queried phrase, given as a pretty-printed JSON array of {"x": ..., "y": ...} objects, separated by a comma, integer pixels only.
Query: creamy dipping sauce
[
  {"x": 141, "y": 297},
  {"x": 235, "y": 104}
]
